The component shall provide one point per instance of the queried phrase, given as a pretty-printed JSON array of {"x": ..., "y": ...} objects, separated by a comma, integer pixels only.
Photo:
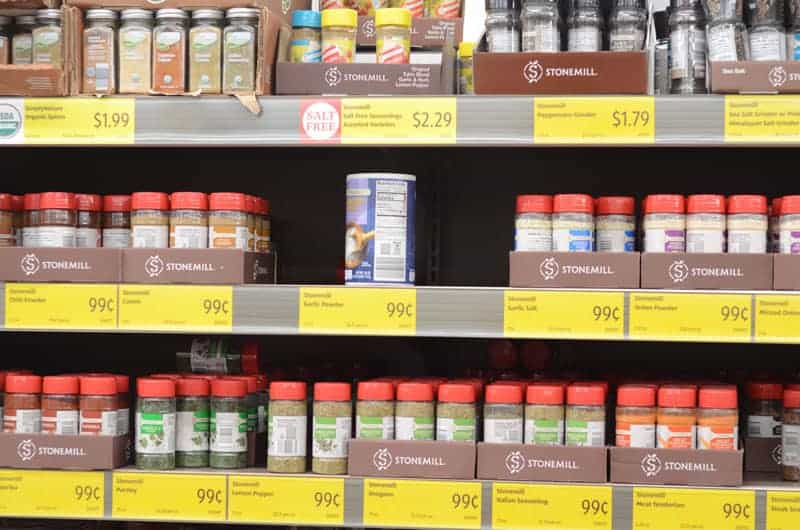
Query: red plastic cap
[
  {"x": 99, "y": 385},
  {"x": 3, "y": 381},
  {"x": 456, "y": 393},
  {"x": 717, "y": 397},
  {"x": 262, "y": 382},
  {"x": 192, "y": 387},
  {"x": 573, "y": 202},
  {"x": 706, "y": 204},
  {"x": 757, "y": 390},
  {"x": 545, "y": 394},
  {"x": 586, "y": 394},
  {"x": 6, "y": 202},
  {"x": 534, "y": 204},
  {"x": 375, "y": 391},
  {"x": 503, "y": 394},
  {"x": 117, "y": 203},
  {"x": 17, "y": 203},
  {"x": 23, "y": 384},
  {"x": 88, "y": 203},
  {"x": 250, "y": 203},
  {"x": 664, "y": 204},
  {"x": 331, "y": 392},
  {"x": 60, "y": 384},
  {"x": 636, "y": 396},
  {"x": 790, "y": 205},
  {"x": 173, "y": 377},
  {"x": 615, "y": 205},
  {"x": 227, "y": 201},
  {"x": 236, "y": 388},
  {"x": 414, "y": 392},
  {"x": 57, "y": 200},
  {"x": 262, "y": 205},
  {"x": 680, "y": 396},
  {"x": 148, "y": 387},
  {"x": 756, "y": 204},
  {"x": 189, "y": 200},
  {"x": 435, "y": 382},
  {"x": 290, "y": 390},
  {"x": 776, "y": 206},
  {"x": 31, "y": 201},
  {"x": 791, "y": 398},
  {"x": 250, "y": 380},
  {"x": 149, "y": 200},
  {"x": 123, "y": 384}
]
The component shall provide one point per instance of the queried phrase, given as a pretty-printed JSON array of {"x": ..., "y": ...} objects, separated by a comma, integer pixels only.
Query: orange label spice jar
[
  {"x": 169, "y": 51},
  {"x": 718, "y": 418},
  {"x": 60, "y": 404},
  {"x": 677, "y": 417},
  {"x": 636, "y": 416}
]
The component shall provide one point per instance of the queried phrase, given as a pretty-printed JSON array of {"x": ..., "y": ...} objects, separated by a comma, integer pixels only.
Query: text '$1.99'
[{"x": 111, "y": 120}]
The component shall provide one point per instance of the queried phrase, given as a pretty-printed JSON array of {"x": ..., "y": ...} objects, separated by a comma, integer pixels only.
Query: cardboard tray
[
  {"x": 755, "y": 77},
  {"x": 411, "y": 459},
  {"x": 763, "y": 455},
  {"x": 49, "y": 451},
  {"x": 603, "y": 270},
  {"x": 212, "y": 266},
  {"x": 425, "y": 32},
  {"x": 552, "y": 463},
  {"x": 786, "y": 275},
  {"x": 89, "y": 265},
  {"x": 707, "y": 271},
  {"x": 684, "y": 467}
]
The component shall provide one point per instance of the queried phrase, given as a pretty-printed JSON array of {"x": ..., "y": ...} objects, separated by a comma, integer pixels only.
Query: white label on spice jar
[
  {"x": 705, "y": 241},
  {"x": 586, "y": 433},
  {"x": 790, "y": 440},
  {"x": 636, "y": 435},
  {"x": 375, "y": 427},
  {"x": 191, "y": 432},
  {"x": 88, "y": 238},
  {"x": 659, "y": 240},
  {"x": 228, "y": 236},
  {"x": 676, "y": 436},
  {"x": 287, "y": 435},
  {"x": 228, "y": 432},
  {"x": 789, "y": 236},
  {"x": 573, "y": 240},
  {"x": 718, "y": 437},
  {"x": 616, "y": 233},
  {"x": 150, "y": 236},
  {"x": 534, "y": 235},
  {"x": 261, "y": 419},
  {"x": 102, "y": 422},
  {"x": 455, "y": 429},
  {"x": 23, "y": 421},
  {"x": 331, "y": 435},
  {"x": 722, "y": 43},
  {"x": 155, "y": 433},
  {"x": 185, "y": 236},
  {"x": 30, "y": 237},
  {"x": 498, "y": 431},
  {"x": 116, "y": 237},
  {"x": 585, "y": 39},
  {"x": 747, "y": 242},
  {"x": 410, "y": 428},
  {"x": 56, "y": 236},
  {"x": 60, "y": 421},
  {"x": 502, "y": 40},
  {"x": 767, "y": 45},
  {"x": 541, "y": 38},
  {"x": 544, "y": 432},
  {"x": 626, "y": 40},
  {"x": 123, "y": 421},
  {"x": 763, "y": 427}
]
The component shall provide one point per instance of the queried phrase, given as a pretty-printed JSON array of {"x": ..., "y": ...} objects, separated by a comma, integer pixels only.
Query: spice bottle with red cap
[
  {"x": 375, "y": 410},
  {"x": 718, "y": 418},
  {"x": 8, "y": 236},
  {"x": 573, "y": 223},
  {"x": 747, "y": 224},
  {"x": 288, "y": 426},
  {"x": 533, "y": 225},
  {"x": 676, "y": 417},
  {"x": 503, "y": 415},
  {"x": 155, "y": 423},
  {"x": 636, "y": 416},
  {"x": 18, "y": 206},
  {"x": 616, "y": 224},
  {"x": 774, "y": 226},
  {"x": 31, "y": 219},
  {"x": 790, "y": 438},
  {"x": 664, "y": 223},
  {"x": 415, "y": 412},
  {"x": 227, "y": 221},
  {"x": 60, "y": 404},
  {"x": 705, "y": 224},
  {"x": 332, "y": 428},
  {"x": 87, "y": 234},
  {"x": 228, "y": 424},
  {"x": 57, "y": 220},
  {"x": 193, "y": 413},
  {"x": 764, "y": 415},
  {"x": 116, "y": 221},
  {"x": 790, "y": 225},
  {"x": 150, "y": 219},
  {"x": 586, "y": 415},
  {"x": 188, "y": 220},
  {"x": 456, "y": 413},
  {"x": 22, "y": 410},
  {"x": 263, "y": 225},
  {"x": 544, "y": 414},
  {"x": 99, "y": 405}
]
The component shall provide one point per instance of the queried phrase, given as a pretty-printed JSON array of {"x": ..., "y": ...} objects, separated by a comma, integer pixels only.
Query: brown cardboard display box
[
  {"x": 411, "y": 459},
  {"x": 48, "y": 451},
  {"x": 91, "y": 265},
  {"x": 786, "y": 272},
  {"x": 763, "y": 455},
  {"x": 755, "y": 77},
  {"x": 425, "y": 32},
  {"x": 552, "y": 463},
  {"x": 603, "y": 270},
  {"x": 706, "y": 271},
  {"x": 685, "y": 467},
  {"x": 210, "y": 266}
]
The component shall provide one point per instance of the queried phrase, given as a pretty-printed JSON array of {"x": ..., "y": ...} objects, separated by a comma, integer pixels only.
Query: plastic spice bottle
[
  {"x": 774, "y": 226},
  {"x": 205, "y": 51},
  {"x": 22, "y": 41},
  {"x": 32, "y": 219},
  {"x": 332, "y": 428},
  {"x": 544, "y": 414},
  {"x": 123, "y": 404},
  {"x": 99, "y": 52},
  {"x": 58, "y": 220},
  {"x": 135, "y": 51},
  {"x": 193, "y": 412},
  {"x": 228, "y": 426},
  {"x": 455, "y": 413},
  {"x": 466, "y": 79},
  {"x": 88, "y": 234},
  {"x": 338, "y": 35},
  {"x": 7, "y": 234},
  {"x": 677, "y": 417},
  {"x": 150, "y": 220},
  {"x": 18, "y": 206},
  {"x": 664, "y": 223},
  {"x": 616, "y": 224},
  {"x": 169, "y": 51},
  {"x": 718, "y": 418},
  {"x": 305, "y": 45},
  {"x": 705, "y": 224},
  {"x": 47, "y": 37},
  {"x": 22, "y": 409},
  {"x": 60, "y": 404},
  {"x": 790, "y": 439},
  {"x": 502, "y": 26},
  {"x": 239, "y": 51},
  {"x": 393, "y": 36},
  {"x": 263, "y": 226},
  {"x": 99, "y": 406},
  {"x": 188, "y": 220},
  {"x": 375, "y": 410},
  {"x": 503, "y": 415},
  {"x": 764, "y": 414},
  {"x": 250, "y": 204},
  {"x": 586, "y": 415},
  {"x": 227, "y": 221},
  {"x": 636, "y": 416},
  {"x": 117, "y": 221},
  {"x": 533, "y": 225},
  {"x": 288, "y": 425},
  {"x": 747, "y": 224},
  {"x": 155, "y": 423},
  {"x": 790, "y": 225},
  {"x": 414, "y": 412},
  {"x": 573, "y": 223}
]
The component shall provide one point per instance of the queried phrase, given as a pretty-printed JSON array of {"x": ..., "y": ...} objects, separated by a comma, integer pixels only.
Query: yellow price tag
[
  {"x": 72, "y": 121},
  {"x": 783, "y": 510},
  {"x": 594, "y": 120},
  {"x": 567, "y": 314},
  {"x": 766, "y": 119},
  {"x": 61, "y": 306},
  {"x": 169, "y": 497},
  {"x": 542, "y": 507},
  {"x": 176, "y": 308},
  {"x": 694, "y": 316},
  {"x": 777, "y": 318},
  {"x": 698, "y": 509},
  {"x": 399, "y": 120},
  {"x": 285, "y": 500},
  {"x": 358, "y": 311},
  {"x": 422, "y": 503},
  {"x": 51, "y": 493}
]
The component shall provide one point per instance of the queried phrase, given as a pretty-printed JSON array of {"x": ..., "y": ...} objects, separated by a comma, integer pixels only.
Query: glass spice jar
[
  {"x": 99, "y": 52},
  {"x": 227, "y": 221},
  {"x": 169, "y": 52},
  {"x": 533, "y": 224},
  {"x": 718, "y": 418},
  {"x": 205, "y": 51},
  {"x": 155, "y": 424},
  {"x": 87, "y": 233},
  {"x": 228, "y": 427},
  {"x": 393, "y": 36},
  {"x": 305, "y": 43},
  {"x": 47, "y": 37},
  {"x": 192, "y": 417},
  {"x": 676, "y": 417},
  {"x": 135, "y": 51},
  {"x": 22, "y": 40},
  {"x": 687, "y": 47},
  {"x": 455, "y": 413},
  {"x": 338, "y": 35},
  {"x": 32, "y": 219},
  {"x": 727, "y": 40},
  {"x": 544, "y": 414},
  {"x": 150, "y": 220},
  {"x": 627, "y": 26},
  {"x": 60, "y": 404},
  {"x": 116, "y": 221},
  {"x": 705, "y": 224},
  {"x": 188, "y": 220},
  {"x": 332, "y": 428},
  {"x": 98, "y": 405},
  {"x": 502, "y": 26},
  {"x": 288, "y": 425},
  {"x": 375, "y": 410},
  {"x": 22, "y": 410},
  {"x": 573, "y": 223},
  {"x": 123, "y": 404},
  {"x": 503, "y": 416},
  {"x": 585, "y": 27},
  {"x": 414, "y": 412},
  {"x": 586, "y": 415},
  {"x": 768, "y": 41},
  {"x": 747, "y": 224},
  {"x": 239, "y": 51},
  {"x": 790, "y": 438},
  {"x": 664, "y": 223},
  {"x": 262, "y": 391},
  {"x": 7, "y": 235},
  {"x": 466, "y": 79},
  {"x": 636, "y": 416},
  {"x": 540, "y": 26},
  {"x": 764, "y": 414},
  {"x": 615, "y": 224},
  {"x": 58, "y": 220}
]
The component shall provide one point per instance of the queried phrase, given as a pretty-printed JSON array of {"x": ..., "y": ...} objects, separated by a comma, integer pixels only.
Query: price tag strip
[
  {"x": 285, "y": 500},
  {"x": 545, "y": 507},
  {"x": 692, "y": 316},
  {"x": 176, "y": 308},
  {"x": 783, "y": 510},
  {"x": 594, "y": 120},
  {"x": 358, "y": 311},
  {"x": 422, "y": 504},
  {"x": 695, "y": 509},
  {"x": 49, "y": 494},
  {"x": 60, "y": 306},
  {"x": 563, "y": 314},
  {"x": 762, "y": 119},
  {"x": 169, "y": 496},
  {"x": 777, "y": 318},
  {"x": 79, "y": 121},
  {"x": 398, "y": 120}
]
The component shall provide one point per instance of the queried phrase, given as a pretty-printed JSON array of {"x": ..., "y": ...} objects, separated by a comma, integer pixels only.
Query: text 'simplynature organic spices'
[
  {"x": 503, "y": 414},
  {"x": 676, "y": 417},
  {"x": 586, "y": 415},
  {"x": 22, "y": 411},
  {"x": 414, "y": 411},
  {"x": 791, "y": 435},
  {"x": 98, "y": 405},
  {"x": 375, "y": 410},
  {"x": 192, "y": 419},
  {"x": 60, "y": 404},
  {"x": 636, "y": 416},
  {"x": 332, "y": 428},
  {"x": 288, "y": 423},
  {"x": 764, "y": 414},
  {"x": 456, "y": 413},
  {"x": 155, "y": 423},
  {"x": 718, "y": 418},
  {"x": 228, "y": 429},
  {"x": 544, "y": 414}
]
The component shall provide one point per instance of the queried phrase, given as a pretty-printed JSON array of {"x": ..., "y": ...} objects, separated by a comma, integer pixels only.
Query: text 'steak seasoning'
[
  {"x": 98, "y": 405},
  {"x": 22, "y": 412},
  {"x": 60, "y": 404}
]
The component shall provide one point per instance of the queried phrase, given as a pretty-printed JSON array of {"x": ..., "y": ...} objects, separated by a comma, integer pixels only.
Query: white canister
[
  {"x": 747, "y": 224},
  {"x": 533, "y": 224},
  {"x": 705, "y": 224},
  {"x": 615, "y": 224},
  {"x": 664, "y": 223},
  {"x": 573, "y": 223}
]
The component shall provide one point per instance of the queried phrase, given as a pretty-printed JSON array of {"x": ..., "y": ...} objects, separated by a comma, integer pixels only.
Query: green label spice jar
[
  {"x": 502, "y": 414},
  {"x": 415, "y": 412},
  {"x": 455, "y": 413},
  {"x": 544, "y": 415},
  {"x": 375, "y": 410},
  {"x": 155, "y": 424},
  {"x": 586, "y": 415},
  {"x": 287, "y": 427},
  {"x": 333, "y": 427},
  {"x": 193, "y": 414},
  {"x": 228, "y": 429}
]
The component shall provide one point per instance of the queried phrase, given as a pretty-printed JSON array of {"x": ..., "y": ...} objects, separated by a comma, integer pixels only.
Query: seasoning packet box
[
  {"x": 552, "y": 463},
  {"x": 411, "y": 459},
  {"x": 48, "y": 451},
  {"x": 602, "y": 270},
  {"x": 426, "y": 32},
  {"x": 685, "y": 467}
]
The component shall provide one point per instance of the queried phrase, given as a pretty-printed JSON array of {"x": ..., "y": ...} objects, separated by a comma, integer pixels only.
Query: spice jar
[
  {"x": 99, "y": 52},
  {"x": 305, "y": 44},
  {"x": 169, "y": 52},
  {"x": 332, "y": 428},
  {"x": 22, "y": 41},
  {"x": 414, "y": 412},
  {"x": 627, "y": 25},
  {"x": 251, "y": 404},
  {"x": 47, "y": 37},
  {"x": 664, "y": 223},
  {"x": 790, "y": 438},
  {"x": 155, "y": 424},
  {"x": 718, "y": 418},
  {"x": 239, "y": 51},
  {"x": 586, "y": 415},
  {"x": 533, "y": 224},
  {"x": 193, "y": 412},
  {"x": 32, "y": 219},
  {"x": 135, "y": 51},
  {"x": 585, "y": 27},
  {"x": 22, "y": 409},
  {"x": 375, "y": 410},
  {"x": 263, "y": 226},
  {"x": 636, "y": 416},
  {"x": 99, "y": 406},
  {"x": 7, "y": 235},
  {"x": 764, "y": 415},
  {"x": 573, "y": 223},
  {"x": 87, "y": 234},
  {"x": 727, "y": 40},
  {"x": 227, "y": 221},
  {"x": 705, "y": 224},
  {"x": 288, "y": 422},
  {"x": 393, "y": 36},
  {"x": 150, "y": 220},
  {"x": 687, "y": 47},
  {"x": 616, "y": 224},
  {"x": 417, "y": 7},
  {"x": 747, "y": 224},
  {"x": 466, "y": 80},
  {"x": 544, "y": 414},
  {"x": 188, "y": 220},
  {"x": 262, "y": 391},
  {"x": 123, "y": 404},
  {"x": 228, "y": 427},
  {"x": 503, "y": 414},
  {"x": 774, "y": 226},
  {"x": 768, "y": 42},
  {"x": 18, "y": 206},
  {"x": 456, "y": 413},
  {"x": 205, "y": 51},
  {"x": 58, "y": 220},
  {"x": 338, "y": 35},
  {"x": 502, "y": 26},
  {"x": 790, "y": 224},
  {"x": 117, "y": 221},
  {"x": 540, "y": 26},
  {"x": 250, "y": 205},
  {"x": 5, "y": 39},
  {"x": 60, "y": 404},
  {"x": 676, "y": 417}
]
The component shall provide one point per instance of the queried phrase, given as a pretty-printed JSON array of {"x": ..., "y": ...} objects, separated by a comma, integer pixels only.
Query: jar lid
[
  {"x": 680, "y": 396},
  {"x": 101, "y": 14},
  {"x": 456, "y": 393},
  {"x": 192, "y": 387},
  {"x": 586, "y": 394},
  {"x": 534, "y": 204},
  {"x": 123, "y": 383},
  {"x": 211, "y": 14},
  {"x": 306, "y": 18},
  {"x": 171, "y": 13},
  {"x": 98, "y": 385},
  {"x": 235, "y": 388},
  {"x": 790, "y": 204},
  {"x": 6, "y": 202},
  {"x": 375, "y": 391},
  {"x": 250, "y": 203},
  {"x": 705, "y": 204},
  {"x": 601, "y": 384},
  {"x": 502, "y": 4},
  {"x": 573, "y": 202},
  {"x": 466, "y": 49},
  {"x": 339, "y": 17},
  {"x": 227, "y": 201},
  {"x": 761, "y": 390},
  {"x": 250, "y": 380},
  {"x": 188, "y": 200},
  {"x": 503, "y": 393},
  {"x": 31, "y": 201},
  {"x": 717, "y": 397},
  {"x": 393, "y": 16},
  {"x": 25, "y": 20},
  {"x": 60, "y": 384},
  {"x": 615, "y": 205},
  {"x": 23, "y": 384},
  {"x": 87, "y": 202},
  {"x": 332, "y": 392},
  {"x": 262, "y": 382},
  {"x": 57, "y": 200},
  {"x": 776, "y": 206},
  {"x": 148, "y": 387},
  {"x": 173, "y": 377},
  {"x": 664, "y": 204},
  {"x": 545, "y": 394},
  {"x": 262, "y": 206},
  {"x": 791, "y": 398},
  {"x": 414, "y": 392},
  {"x": 756, "y": 204},
  {"x": 137, "y": 14},
  {"x": 242, "y": 12},
  {"x": 117, "y": 203},
  {"x": 435, "y": 382},
  {"x": 636, "y": 396},
  {"x": 17, "y": 203},
  {"x": 289, "y": 390},
  {"x": 149, "y": 200},
  {"x": 49, "y": 14}
]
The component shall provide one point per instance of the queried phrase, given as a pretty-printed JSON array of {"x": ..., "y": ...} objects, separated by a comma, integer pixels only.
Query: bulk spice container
[
  {"x": 98, "y": 405},
  {"x": 47, "y": 37},
  {"x": 616, "y": 224},
  {"x": 228, "y": 427},
  {"x": 227, "y": 221},
  {"x": 135, "y": 51},
  {"x": 573, "y": 223},
  {"x": 414, "y": 412},
  {"x": 192, "y": 418},
  {"x": 286, "y": 452},
  {"x": 627, "y": 25},
  {"x": 57, "y": 220},
  {"x": 718, "y": 418},
  {"x": 466, "y": 83},
  {"x": 32, "y": 219},
  {"x": 790, "y": 439},
  {"x": 747, "y": 224},
  {"x": 393, "y": 36},
  {"x": 22, "y": 41},
  {"x": 205, "y": 52},
  {"x": 456, "y": 413},
  {"x": 60, "y": 404},
  {"x": 7, "y": 235},
  {"x": 636, "y": 416},
  {"x": 540, "y": 26},
  {"x": 585, "y": 27},
  {"x": 22, "y": 409},
  {"x": 188, "y": 220},
  {"x": 338, "y": 35},
  {"x": 790, "y": 224},
  {"x": 375, "y": 410},
  {"x": 687, "y": 47},
  {"x": 503, "y": 414},
  {"x": 155, "y": 424},
  {"x": 239, "y": 51},
  {"x": 169, "y": 51},
  {"x": 705, "y": 224},
  {"x": 123, "y": 404},
  {"x": 586, "y": 415},
  {"x": 305, "y": 43},
  {"x": 502, "y": 26},
  {"x": 677, "y": 417},
  {"x": 774, "y": 226},
  {"x": 544, "y": 415},
  {"x": 332, "y": 428},
  {"x": 150, "y": 220},
  {"x": 116, "y": 221},
  {"x": 533, "y": 225},
  {"x": 664, "y": 223},
  {"x": 99, "y": 52},
  {"x": 764, "y": 414},
  {"x": 87, "y": 233}
]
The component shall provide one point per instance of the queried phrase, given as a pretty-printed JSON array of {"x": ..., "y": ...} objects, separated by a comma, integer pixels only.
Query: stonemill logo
[
  {"x": 777, "y": 454},
  {"x": 29, "y": 264},
  {"x": 154, "y": 266},
  {"x": 777, "y": 76},
  {"x": 678, "y": 271},
  {"x": 515, "y": 462},
  {"x": 382, "y": 459},
  {"x": 368, "y": 27},
  {"x": 549, "y": 268},
  {"x": 534, "y": 71},
  {"x": 651, "y": 465},
  {"x": 333, "y": 76},
  {"x": 26, "y": 450}
]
